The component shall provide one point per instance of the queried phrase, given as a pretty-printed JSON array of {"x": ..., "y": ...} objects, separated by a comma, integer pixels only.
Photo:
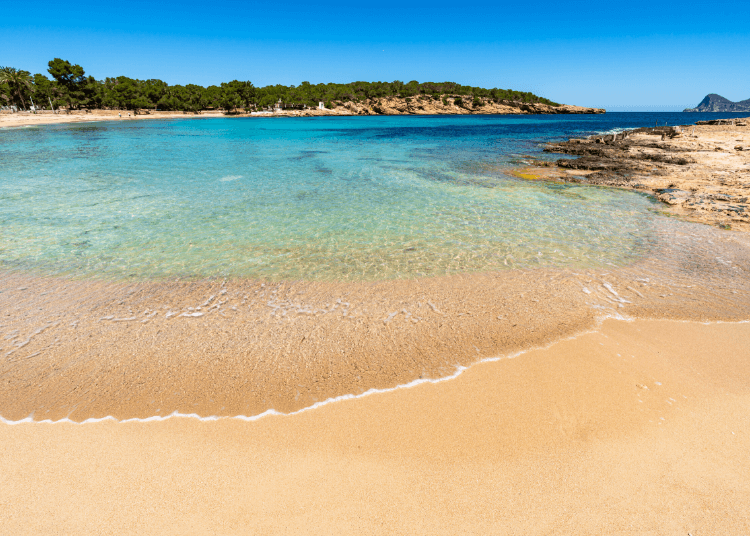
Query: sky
[{"x": 623, "y": 56}]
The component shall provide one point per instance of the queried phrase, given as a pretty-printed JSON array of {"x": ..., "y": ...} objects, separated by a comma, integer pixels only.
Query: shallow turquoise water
[{"x": 325, "y": 198}]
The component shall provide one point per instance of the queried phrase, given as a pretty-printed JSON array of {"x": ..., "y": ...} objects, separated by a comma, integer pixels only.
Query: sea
[
  {"x": 237, "y": 267},
  {"x": 327, "y": 198}
]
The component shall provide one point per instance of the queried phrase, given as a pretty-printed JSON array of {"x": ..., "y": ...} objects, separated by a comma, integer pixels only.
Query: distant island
[
  {"x": 71, "y": 90},
  {"x": 717, "y": 103}
]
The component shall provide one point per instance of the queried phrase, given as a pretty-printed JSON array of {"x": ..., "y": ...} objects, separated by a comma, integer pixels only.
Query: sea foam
[{"x": 459, "y": 369}]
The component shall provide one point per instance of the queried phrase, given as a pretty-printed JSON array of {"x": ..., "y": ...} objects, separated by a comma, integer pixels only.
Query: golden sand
[
  {"x": 85, "y": 349},
  {"x": 50, "y": 118},
  {"x": 638, "y": 428}
]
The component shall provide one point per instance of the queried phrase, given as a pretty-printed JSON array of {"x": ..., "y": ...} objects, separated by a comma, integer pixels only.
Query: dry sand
[
  {"x": 25, "y": 119},
  {"x": 638, "y": 428}
]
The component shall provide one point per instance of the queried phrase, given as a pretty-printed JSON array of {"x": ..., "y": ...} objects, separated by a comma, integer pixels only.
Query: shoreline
[
  {"x": 26, "y": 119},
  {"x": 383, "y": 107},
  {"x": 699, "y": 173},
  {"x": 619, "y": 404},
  {"x": 638, "y": 427},
  {"x": 243, "y": 347},
  {"x": 460, "y": 369}
]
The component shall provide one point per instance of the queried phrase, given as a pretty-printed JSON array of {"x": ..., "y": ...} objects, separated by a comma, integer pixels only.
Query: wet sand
[
  {"x": 638, "y": 428},
  {"x": 82, "y": 349}
]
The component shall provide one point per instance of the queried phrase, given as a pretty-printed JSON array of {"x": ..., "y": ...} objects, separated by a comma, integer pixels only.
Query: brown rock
[{"x": 673, "y": 196}]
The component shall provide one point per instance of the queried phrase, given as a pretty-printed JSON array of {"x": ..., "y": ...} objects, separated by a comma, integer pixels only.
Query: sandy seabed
[{"x": 637, "y": 427}]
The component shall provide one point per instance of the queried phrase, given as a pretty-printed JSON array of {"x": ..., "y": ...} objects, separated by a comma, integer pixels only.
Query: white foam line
[
  {"x": 460, "y": 369},
  {"x": 609, "y": 288},
  {"x": 702, "y": 323}
]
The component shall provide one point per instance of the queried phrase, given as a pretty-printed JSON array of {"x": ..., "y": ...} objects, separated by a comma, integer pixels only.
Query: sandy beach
[
  {"x": 316, "y": 271},
  {"x": 384, "y": 106},
  {"x": 611, "y": 399},
  {"x": 27, "y": 119},
  {"x": 636, "y": 428},
  {"x": 244, "y": 346}
]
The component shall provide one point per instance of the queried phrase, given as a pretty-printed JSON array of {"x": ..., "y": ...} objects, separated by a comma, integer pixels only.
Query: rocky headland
[
  {"x": 716, "y": 103},
  {"x": 445, "y": 105},
  {"x": 701, "y": 173}
]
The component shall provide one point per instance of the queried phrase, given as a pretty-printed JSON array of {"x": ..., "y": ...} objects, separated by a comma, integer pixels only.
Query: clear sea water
[{"x": 360, "y": 198}]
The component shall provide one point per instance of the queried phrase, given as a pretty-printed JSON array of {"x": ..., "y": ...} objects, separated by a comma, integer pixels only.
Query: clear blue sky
[{"x": 621, "y": 55}]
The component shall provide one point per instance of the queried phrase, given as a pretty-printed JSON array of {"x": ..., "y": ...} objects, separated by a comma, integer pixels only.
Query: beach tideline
[{"x": 636, "y": 428}]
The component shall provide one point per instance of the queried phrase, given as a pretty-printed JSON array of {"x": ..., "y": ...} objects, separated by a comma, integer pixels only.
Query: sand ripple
[{"x": 80, "y": 349}]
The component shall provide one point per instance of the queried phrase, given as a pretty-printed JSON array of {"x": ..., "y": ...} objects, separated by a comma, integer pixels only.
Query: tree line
[{"x": 69, "y": 88}]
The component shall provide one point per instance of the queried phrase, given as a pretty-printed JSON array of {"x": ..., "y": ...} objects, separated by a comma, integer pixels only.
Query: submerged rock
[{"x": 673, "y": 196}]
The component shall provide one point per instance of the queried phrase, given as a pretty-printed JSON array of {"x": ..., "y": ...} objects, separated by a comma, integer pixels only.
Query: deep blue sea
[{"x": 329, "y": 198}]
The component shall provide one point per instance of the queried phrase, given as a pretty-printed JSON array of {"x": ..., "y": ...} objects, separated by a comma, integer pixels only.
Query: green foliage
[
  {"x": 477, "y": 102},
  {"x": 235, "y": 94},
  {"x": 71, "y": 88},
  {"x": 65, "y": 72},
  {"x": 245, "y": 92},
  {"x": 139, "y": 103},
  {"x": 77, "y": 90},
  {"x": 16, "y": 84},
  {"x": 44, "y": 91}
]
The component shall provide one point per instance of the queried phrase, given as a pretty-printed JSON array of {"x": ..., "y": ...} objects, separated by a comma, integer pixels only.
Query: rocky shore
[
  {"x": 701, "y": 173},
  {"x": 445, "y": 105}
]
